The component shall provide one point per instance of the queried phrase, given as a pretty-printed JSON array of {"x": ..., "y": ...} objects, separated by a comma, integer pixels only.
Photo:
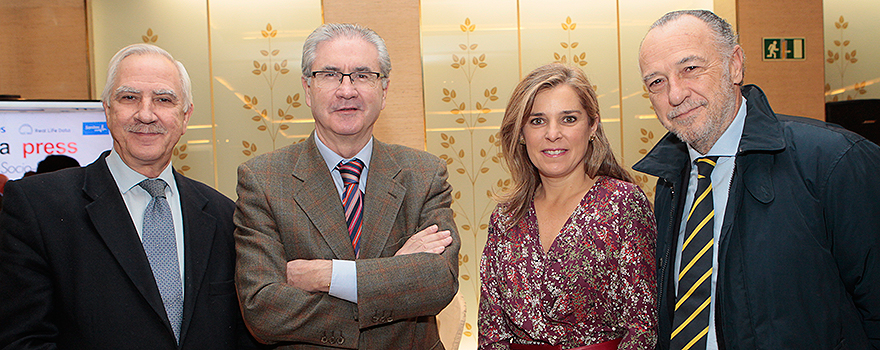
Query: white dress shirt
[
  {"x": 136, "y": 199},
  {"x": 343, "y": 280}
]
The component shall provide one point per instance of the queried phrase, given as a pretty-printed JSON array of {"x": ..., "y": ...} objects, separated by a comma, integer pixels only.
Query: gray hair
[
  {"x": 332, "y": 31},
  {"x": 146, "y": 49},
  {"x": 725, "y": 38}
]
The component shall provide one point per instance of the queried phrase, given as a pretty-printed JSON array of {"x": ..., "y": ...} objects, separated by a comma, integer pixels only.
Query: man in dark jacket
[
  {"x": 124, "y": 253},
  {"x": 788, "y": 252}
]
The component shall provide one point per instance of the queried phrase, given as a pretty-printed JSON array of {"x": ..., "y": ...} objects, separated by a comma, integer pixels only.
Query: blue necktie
[{"x": 161, "y": 248}]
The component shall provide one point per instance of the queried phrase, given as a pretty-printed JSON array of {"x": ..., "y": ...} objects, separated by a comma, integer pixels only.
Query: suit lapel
[
  {"x": 199, "y": 229},
  {"x": 317, "y": 197},
  {"x": 113, "y": 223},
  {"x": 382, "y": 201}
]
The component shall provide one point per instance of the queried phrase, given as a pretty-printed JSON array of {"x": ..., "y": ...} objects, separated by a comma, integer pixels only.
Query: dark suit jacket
[
  {"x": 73, "y": 272},
  {"x": 288, "y": 208}
]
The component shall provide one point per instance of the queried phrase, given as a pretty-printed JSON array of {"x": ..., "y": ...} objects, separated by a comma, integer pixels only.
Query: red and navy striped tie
[{"x": 352, "y": 199}]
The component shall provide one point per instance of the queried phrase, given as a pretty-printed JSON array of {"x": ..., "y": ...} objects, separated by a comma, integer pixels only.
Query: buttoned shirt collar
[
  {"x": 332, "y": 159},
  {"x": 126, "y": 178}
]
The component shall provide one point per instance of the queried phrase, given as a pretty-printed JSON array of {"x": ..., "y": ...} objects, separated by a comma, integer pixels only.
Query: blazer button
[
  {"x": 324, "y": 340},
  {"x": 341, "y": 340},
  {"x": 375, "y": 318}
]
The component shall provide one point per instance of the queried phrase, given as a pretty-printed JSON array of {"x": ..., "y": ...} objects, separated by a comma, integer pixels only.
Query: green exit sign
[{"x": 780, "y": 49}]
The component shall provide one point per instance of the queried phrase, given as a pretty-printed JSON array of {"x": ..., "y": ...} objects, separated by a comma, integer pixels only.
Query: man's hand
[
  {"x": 428, "y": 240},
  {"x": 310, "y": 275}
]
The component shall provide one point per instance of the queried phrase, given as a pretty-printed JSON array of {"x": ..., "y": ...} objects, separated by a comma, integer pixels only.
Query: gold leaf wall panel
[
  {"x": 245, "y": 69},
  {"x": 259, "y": 106},
  {"x": 471, "y": 63},
  {"x": 851, "y": 54}
]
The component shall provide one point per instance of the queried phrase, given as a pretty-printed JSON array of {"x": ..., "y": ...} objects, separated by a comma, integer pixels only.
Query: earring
[
  {"x": 592, "y": 137},
  {"x": 522, "y": 141}
]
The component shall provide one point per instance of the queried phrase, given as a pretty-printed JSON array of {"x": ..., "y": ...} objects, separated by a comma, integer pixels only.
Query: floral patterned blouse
[{"x": 596, "y": 283}]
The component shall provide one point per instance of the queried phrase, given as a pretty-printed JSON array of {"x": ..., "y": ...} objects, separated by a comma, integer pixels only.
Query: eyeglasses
[{"x": 331, "y": 80}]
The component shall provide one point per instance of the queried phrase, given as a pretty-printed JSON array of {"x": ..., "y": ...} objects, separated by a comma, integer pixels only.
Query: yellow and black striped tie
[{"x": 691, "y": 321}]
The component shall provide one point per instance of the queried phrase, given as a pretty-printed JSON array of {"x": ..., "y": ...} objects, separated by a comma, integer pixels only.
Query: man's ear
[
  {"x": 308, "y": 90},
  {"x": 385, "y": 90},
  {"x": 186, "y": 116},
  {"x": 737, "y": 65}
]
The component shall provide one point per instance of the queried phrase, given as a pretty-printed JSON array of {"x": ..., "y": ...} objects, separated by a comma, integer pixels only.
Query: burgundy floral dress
[{"x": 596, "y": 283}]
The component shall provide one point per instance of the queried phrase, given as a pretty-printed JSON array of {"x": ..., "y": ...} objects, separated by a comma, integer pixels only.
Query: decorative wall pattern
[
  {"x": 842, "y": 62},
  {"x": 244, "y": 67},
  {"x": 478, "y": 151},
  {"x": 471, "y": 64},
  {"x": 256, "y": 87},
  {"x": 270, "y": 120},
  {"x": 851, "y": 71},
  {"x": 569, "y": 46}
]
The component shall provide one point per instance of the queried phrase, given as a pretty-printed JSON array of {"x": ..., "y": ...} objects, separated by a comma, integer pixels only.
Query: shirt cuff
[{"x": 343, "y": 280}]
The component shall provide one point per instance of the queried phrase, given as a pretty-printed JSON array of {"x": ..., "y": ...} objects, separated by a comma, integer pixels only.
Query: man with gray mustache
[
  {"x": 768, "y": 225},
  {"x": 124, "y": 253}
]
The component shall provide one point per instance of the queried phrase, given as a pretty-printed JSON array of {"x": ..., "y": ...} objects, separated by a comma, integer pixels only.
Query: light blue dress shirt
[
  {"x": 136, "y": 199},
  {"x": 725, "y": 148},
  {"x": 343, "y": 280}
]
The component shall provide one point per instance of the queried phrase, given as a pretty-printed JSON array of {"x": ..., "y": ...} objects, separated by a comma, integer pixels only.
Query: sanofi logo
[{"x": 95, "y": 128}]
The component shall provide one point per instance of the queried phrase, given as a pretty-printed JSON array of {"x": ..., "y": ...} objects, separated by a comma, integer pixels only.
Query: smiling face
[
  {"x": 690, "y": 84},
  {"x": 145, "y": 112},
  {"x": 344, "y": 115},
  {"x": 557, "y": 133}
]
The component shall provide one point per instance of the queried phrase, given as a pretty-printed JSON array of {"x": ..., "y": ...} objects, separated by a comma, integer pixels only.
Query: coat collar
[{"x": 761, "y": 133}]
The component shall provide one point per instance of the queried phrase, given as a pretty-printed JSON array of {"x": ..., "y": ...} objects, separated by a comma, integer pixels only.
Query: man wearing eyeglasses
[{"x": 344, "y": 241}]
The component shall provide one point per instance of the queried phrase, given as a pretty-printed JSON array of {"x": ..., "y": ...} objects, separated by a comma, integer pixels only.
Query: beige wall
[
  {"x": 44, "y": 49},
  {"x": 792, "y": 87},
  {"x": 402, "y": 121}
]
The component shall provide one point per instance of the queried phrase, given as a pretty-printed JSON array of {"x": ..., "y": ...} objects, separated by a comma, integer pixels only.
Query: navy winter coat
[{"x": 799, "y": 252}]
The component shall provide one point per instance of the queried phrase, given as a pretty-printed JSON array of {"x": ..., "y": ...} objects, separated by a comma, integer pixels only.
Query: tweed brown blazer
[{"x": 288, "y": 208}]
